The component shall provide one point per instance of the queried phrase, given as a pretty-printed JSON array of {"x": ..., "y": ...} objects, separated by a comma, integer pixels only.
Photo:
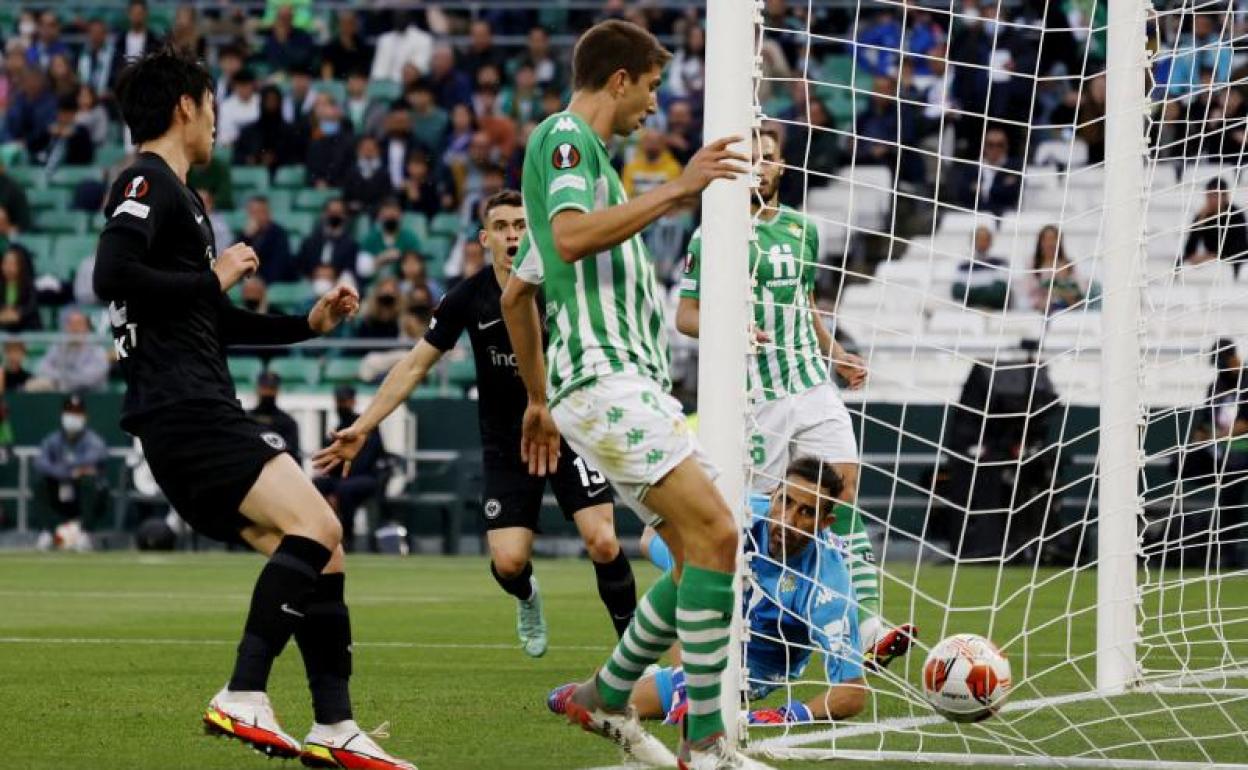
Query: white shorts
[
  {"x": 632, "y": 431},
  {"x": 814, "y": 422}
]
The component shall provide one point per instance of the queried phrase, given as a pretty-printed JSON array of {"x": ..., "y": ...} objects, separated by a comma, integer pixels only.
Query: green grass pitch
[{"x": 106, "y": 661}]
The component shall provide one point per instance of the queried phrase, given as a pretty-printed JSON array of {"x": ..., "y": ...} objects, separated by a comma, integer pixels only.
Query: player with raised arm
[
  {"x": 230, "y": 477},
  {"x": 513, "y": 497},
  {"x": 608, "y": 386},
  {"x": 798, "y": 598},
  {"x": 796, "y": 407}
]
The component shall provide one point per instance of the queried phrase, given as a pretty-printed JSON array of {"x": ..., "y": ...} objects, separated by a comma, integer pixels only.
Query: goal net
[{"x": 1028, "y": 216}]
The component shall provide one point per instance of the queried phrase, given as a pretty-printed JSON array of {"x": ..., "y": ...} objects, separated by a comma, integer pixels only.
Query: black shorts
[
  {"x": 206, "y": 456},
  {"x": 513, "y": 498}
]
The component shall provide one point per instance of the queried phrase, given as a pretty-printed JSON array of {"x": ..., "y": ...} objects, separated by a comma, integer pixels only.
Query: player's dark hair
[
  {"x": 148, "y": 89},
  {"x": 500, "y": 198},
  {"x": 820, "y": 474},
  {"x": 611, "y": 46}
]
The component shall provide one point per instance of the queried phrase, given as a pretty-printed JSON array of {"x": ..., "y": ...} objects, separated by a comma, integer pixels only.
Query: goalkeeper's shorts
[
  {"x": 627, "y": 427},
  {"x": 812, "y": 423}
]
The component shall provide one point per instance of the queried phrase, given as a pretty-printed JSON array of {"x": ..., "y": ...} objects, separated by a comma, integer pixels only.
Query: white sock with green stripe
[
  {"x": 849, "y": 527},
  {"x": 703, "y": 616},
  {"x": 652, "y": 633}
]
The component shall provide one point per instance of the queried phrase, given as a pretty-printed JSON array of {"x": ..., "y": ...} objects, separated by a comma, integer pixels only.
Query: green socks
[
  {"x": 652, "y": 633},
  {"x": 862, "y": 572},
  {"x": 703, "y": 616}
]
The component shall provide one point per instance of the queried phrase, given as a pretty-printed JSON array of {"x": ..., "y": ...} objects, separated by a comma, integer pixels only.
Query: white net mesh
[{"x": 952, "y": 162}]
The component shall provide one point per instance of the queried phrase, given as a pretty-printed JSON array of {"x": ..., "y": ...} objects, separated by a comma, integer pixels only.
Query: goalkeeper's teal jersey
[
  {"x": 604, "y": 311},
  {"x": 783, "y": 262}
]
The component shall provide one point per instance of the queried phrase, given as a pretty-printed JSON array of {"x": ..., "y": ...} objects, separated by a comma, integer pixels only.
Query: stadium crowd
[{"x": 356, "y": 144}]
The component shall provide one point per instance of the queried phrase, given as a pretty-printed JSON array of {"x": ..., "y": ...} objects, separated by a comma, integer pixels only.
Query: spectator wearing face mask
[
  {"x": 331, "y": 243},
  {"x": 70, "y": 463},
  {"x": 329, "y": 154},
  {"x": 270, "y": 241},
  {"x": 347, "y": 494},
  {"x": 388, "y": 239},
  {"x": 413, "y": 273},
  {"x": 74, "y": 365},
  {"x": 380, "y": 317},
  {"x": 367, "y": 183},
  {"x": 271, "y": 140},
  {"x": 269, "y": 414}
]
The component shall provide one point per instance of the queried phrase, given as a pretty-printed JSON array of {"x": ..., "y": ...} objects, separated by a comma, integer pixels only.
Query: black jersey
[
  {"x": 171, "y": 321},
  {"x": 474, "y": 306}
]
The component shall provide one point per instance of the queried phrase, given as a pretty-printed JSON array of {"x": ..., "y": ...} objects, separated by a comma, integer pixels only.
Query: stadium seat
[
  {"x": 297, "y": 223},
  {"x": 290, "y": 296},
  {"x": 244, "y": 370},
  {"x": 54, "y": 198},
  {"x": 290, "y": 177},
  {"x": 340, "y": 370},
  {"x": 437, "y": 249},
  {"x": 418, "y": 224},
  {"x": 237, "y": 220},
  {"x": 39, "y": 246},
  {"x": 68, "y": 251},
  {"x": 447, "y": 224},
  {"x": 335, "y": 88},
  {"x": 28, "y": 177},
  {"x": 248, "y": 180},
  {"x": 302, "y": 371},
  {"x": 109, "y": 154},
  {"x": 462, "y": 372},
  {"x": 280, "y": 200},
  {"x": 313, "y": 199},
  {"x": 61, "y": 221},
  {"x": 72, "y": 176},
  {"x": 383, "y": 90}
]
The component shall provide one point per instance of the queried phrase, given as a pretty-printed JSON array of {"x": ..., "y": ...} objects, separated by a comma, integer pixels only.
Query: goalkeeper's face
[
  {"x": 795, "y": 516},
  {"x": 635, "y": 100}
]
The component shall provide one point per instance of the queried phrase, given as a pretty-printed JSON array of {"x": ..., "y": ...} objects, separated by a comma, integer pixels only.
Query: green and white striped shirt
[
  {"x": 782, "y": 264},
  {"x": 604, "y": 312}
]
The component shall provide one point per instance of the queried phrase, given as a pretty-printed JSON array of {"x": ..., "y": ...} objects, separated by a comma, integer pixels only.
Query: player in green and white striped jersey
[
  {"x": 797, "y": 410},
  {"x": 608, "y": 381}
]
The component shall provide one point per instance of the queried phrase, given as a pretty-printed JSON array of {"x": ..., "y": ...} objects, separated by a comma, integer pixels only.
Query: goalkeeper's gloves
[{"x": 793, "y": 712}]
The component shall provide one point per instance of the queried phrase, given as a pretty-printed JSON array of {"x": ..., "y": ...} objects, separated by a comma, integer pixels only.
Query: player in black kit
[
  {"x": 158, "y": 267},
  {"x": 512, "y": 499}
]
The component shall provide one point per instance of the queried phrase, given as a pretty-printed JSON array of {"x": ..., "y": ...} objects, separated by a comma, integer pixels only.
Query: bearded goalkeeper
[{"x": 796, "y": 407}]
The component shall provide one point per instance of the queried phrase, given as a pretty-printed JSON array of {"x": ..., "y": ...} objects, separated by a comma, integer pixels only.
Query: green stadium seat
[
  {"x": 290, "y": 177},
  {"x": 301, "y": 371},
  {"x": 280, "y": 200},
  {"x": 61, "y": 221},
  {"x": 313, "y": 199},
  {"x": 244, "y": 370},
  {"x": 39, "y": 246},
  {"x": 237, "y": 220},
  {"x": 28, "y": 177},
  {"x": 447, "y": 224},
  {"x": 462, "y": 373},
  {"x": 72, "y": 176},
  {"x": 48, "y": 198},
  {"x": 290, "y": 296},
  {"x": 109, "y": 154},
  {"x": 384, "y": 90},
  {"x": 12, "y": 154},
  {"x": 297, "y": 223},
  {"x": 335, "y": 88},
  {"x": 437, "y": 249},
  {"x": 248, "y": 180},
  {"x": 418, "y": 224},
  {"x": 340, "y": 370},
  {"x": 68, "y": 251}
]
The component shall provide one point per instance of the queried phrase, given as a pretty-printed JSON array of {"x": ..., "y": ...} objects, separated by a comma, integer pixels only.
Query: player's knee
[
  {"x": 509, "y": 564},
  {"x": 325, "y": 528},
  {"x": 602, "y": 545},
  {"x": 853, "y": 700}
]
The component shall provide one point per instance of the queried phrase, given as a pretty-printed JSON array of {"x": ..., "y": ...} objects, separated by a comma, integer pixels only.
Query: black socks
[
  {"x": 520, "y": 586},
  {"x": 278, "y": 605},
  {"x": 324, "y": 639},
  {"x": 618, "y": 591}
]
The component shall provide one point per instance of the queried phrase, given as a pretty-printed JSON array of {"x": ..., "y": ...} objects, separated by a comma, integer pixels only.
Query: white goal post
[{"x": 1087, "y": 547}]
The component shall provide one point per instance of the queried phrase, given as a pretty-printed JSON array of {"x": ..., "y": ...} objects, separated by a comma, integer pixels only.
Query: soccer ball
[{"x": 966, "y": 678}]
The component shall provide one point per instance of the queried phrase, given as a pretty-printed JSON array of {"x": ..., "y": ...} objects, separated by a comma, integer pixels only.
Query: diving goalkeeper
[{"x": 799, "y": 599}]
